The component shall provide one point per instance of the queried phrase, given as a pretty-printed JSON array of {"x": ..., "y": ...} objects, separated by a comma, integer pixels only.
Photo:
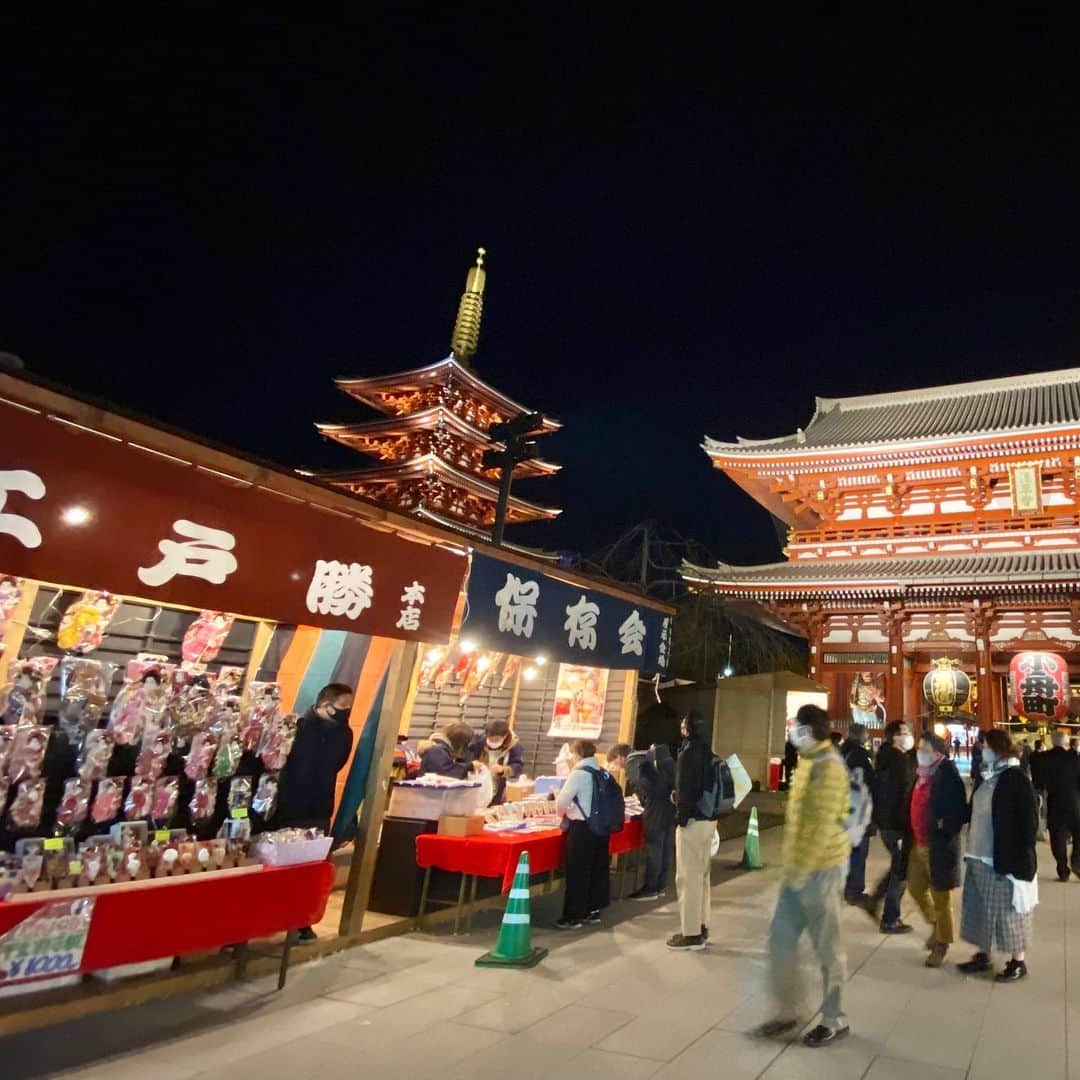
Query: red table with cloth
[
  {"x": 149, "y": 920},
  {"x": 496, "y": 855}
]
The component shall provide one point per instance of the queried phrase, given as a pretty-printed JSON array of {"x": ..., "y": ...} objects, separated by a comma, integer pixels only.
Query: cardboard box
[
  {"x": 461, "y": 824},
  {"x": 517, "y": 792}
]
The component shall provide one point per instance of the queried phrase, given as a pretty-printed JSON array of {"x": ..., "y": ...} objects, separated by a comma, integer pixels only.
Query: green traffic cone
[
  {"x": 514, "y": 947},
  {"x": 751, "y": 859}
]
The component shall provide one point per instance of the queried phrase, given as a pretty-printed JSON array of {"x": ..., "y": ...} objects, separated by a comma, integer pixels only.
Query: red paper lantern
[{"x": 1039, "y": 685}]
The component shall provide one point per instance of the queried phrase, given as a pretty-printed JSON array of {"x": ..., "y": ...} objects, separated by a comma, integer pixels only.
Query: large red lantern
[{"x": 1039, "y": 685}]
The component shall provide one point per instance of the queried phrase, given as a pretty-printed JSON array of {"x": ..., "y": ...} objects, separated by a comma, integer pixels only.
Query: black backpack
[
  {"x": 608, "y": 813},
  {"x": 719, "y": 795}
]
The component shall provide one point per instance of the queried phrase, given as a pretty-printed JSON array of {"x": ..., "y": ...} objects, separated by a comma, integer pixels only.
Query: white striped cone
[
  {"x": 751, "y": 859},
  {"x": 514, "y": 947}
]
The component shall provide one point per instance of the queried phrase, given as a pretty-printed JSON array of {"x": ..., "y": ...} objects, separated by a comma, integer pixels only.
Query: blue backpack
[{"x": 608, "y": 813}]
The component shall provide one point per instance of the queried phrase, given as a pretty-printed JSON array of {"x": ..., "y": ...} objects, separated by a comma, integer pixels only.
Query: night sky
[{"x": 692, "y": 227}]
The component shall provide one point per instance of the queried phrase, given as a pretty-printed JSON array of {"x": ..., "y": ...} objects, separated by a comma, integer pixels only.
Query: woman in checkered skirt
[{"x": 1000, "y": 885}]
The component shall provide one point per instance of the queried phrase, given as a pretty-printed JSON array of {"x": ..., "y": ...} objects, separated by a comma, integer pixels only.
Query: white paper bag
[{"x": 740, "y": 777}]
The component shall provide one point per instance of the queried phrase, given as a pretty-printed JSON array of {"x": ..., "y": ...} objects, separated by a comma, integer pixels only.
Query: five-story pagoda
[{"x": 429, "y": 443}]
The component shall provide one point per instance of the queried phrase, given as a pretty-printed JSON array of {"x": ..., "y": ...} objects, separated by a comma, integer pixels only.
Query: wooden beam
[
  {"x": 628, "y": 710},
  {"x": 264, "y": 631},
  {"x": 399, "y": 677}
]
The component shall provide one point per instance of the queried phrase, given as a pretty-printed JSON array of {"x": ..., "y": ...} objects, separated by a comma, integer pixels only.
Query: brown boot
[{"x": 937, "y": 955}]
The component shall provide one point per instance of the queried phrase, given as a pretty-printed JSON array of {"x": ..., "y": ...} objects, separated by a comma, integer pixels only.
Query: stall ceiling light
[{"x": 76, "y": 515}]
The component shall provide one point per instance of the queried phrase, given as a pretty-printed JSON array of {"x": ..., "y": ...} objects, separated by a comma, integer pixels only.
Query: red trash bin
[{"x": 775, "y": 766}]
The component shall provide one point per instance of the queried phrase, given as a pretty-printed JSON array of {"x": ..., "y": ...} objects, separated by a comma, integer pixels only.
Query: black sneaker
[
  {"x": 569, "y": 924},
  {"x": 1014, "y": 969},
  {"x": 592, "y": 919},
  {"x": 693, "y": 943},
  {"x": 1063, "y": 878},
  {"x": 978, "y": 963},
  {"x": 306, "y": 935},
  {"x": 898, "y": 927},
  {"x": 704, "y": 933},
  {"x": 644, "y": 894},
  {"x": 822, "y": 1035}
]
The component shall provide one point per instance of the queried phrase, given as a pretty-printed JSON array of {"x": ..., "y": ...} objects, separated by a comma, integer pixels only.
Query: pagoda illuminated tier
[
  {"x": 431, "y": 439},
  {"x": 933, "y": 523}
]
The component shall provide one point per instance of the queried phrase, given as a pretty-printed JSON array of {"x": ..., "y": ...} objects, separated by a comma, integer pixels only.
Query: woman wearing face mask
[
  {"x": 498, "y": 748},
  {"x": 894, "y": 777},
  {"x": 937, "y": 811},
  {"x": 446, "y": 753},
  {"x": 1000, "y": 886}
]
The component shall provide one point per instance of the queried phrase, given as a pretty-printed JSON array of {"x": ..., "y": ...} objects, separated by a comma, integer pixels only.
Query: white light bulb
[
  {"x": 468, "y": 646},
  {"x": 529, "y": 673},
  {"x": 76, "y": 515}
]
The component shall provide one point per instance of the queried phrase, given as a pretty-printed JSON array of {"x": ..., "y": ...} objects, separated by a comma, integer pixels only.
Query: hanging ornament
[
  {"x": 1039, "y": 685},
  {"x": 510, "y": 670},
  {"x": 85, "y": 622},
  {"x": 205, "y": 636},
  {"x": 946, "y": 687}
]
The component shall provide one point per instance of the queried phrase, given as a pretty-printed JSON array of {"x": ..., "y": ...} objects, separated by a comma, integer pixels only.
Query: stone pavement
[{"x": 610, "y": 1002}]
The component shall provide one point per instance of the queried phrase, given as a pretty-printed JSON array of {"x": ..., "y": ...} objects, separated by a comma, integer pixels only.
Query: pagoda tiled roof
[
  {"x": 1044, "y": 400},
  {"x": 430, "y": 464},
  {"x": 368, "y": 388},
  {"x": 929, "y": 573},
  {"x": 426, "y": 420}
]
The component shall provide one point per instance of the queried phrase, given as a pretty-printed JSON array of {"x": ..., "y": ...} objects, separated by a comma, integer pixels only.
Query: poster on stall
[
  {"x": 579, "y": 702},
  {"x": 49, "y": 941}
]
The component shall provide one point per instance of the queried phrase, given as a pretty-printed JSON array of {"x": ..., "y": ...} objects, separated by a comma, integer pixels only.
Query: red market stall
[{"x": 134, "y": 565}]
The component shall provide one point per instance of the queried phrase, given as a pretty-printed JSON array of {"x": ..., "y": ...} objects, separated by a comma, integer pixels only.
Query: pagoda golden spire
[{"x": 466, "y": 335}]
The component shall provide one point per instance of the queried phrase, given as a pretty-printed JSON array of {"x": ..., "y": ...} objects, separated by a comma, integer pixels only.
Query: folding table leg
[
  {"x": 460, "y": 905},
  {"x": 283, "y": 971},
  {"x": 550, "y": 886},
  {"x": 472, "y": 906},
  {"x": 240, "y": 958},
  {"x": 423, "y": 899}
]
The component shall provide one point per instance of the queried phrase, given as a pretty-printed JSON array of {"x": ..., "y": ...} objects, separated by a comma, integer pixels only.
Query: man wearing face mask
[
  {"x": 894, "y": 778},
  {"x": 320, "y": 751},
  {"x": 815, "y": 853}
]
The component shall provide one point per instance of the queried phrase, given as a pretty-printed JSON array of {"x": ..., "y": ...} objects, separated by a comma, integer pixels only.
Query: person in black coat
[
  {"x": 446, "y": 753},
  {"x": 654, "y": 783},
  {"x": 1058, "y": 774},
  {"x": 320, "y": 751},
  {"x": 938, "y": 809},
  {"x": 894, "y": 777},
  {"x": 857, "y": 759},
  {"x": 1001, "y": 865}
]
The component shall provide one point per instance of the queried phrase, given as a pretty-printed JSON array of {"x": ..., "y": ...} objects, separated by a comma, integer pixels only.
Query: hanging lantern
[
  {"x": 945, "y": 687},
  {"x": 1039, "y": 685}
]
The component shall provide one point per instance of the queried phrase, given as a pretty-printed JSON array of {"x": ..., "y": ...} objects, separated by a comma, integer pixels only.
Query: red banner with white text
[{"x": 88, "y": 510}]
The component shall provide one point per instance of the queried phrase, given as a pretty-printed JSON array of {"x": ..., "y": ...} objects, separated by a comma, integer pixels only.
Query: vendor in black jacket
[
  {"x": 857, "y": 759},
  {"x": 894, "y": 777},
  {"x": 1058, "y": 774}
]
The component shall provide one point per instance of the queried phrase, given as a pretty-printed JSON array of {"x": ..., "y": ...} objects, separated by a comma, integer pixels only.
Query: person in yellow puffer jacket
[{"x": 816, "y": 849}]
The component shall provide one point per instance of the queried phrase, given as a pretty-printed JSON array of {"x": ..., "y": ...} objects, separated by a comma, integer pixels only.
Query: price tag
[
  {"x": 54, "y": 843},
  {"x": 239, "y": 812},
  {"x": 75, "y": 867},
  {"x": 161, "y": 836}
]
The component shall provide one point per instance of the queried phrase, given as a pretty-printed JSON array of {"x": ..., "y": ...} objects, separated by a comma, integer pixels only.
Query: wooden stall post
[
  {"x": 399, "y": 680},
  {"x": 628, "y": 710}
]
